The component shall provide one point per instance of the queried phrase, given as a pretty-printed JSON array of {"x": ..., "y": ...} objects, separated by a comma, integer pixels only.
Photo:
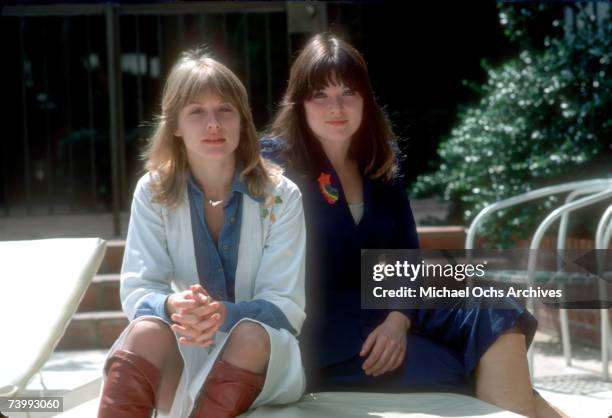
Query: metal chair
[
  {"x": 598, "y": 190},
  {"x": 602, "y": 241},
  {"x": 561, "y": 239}
]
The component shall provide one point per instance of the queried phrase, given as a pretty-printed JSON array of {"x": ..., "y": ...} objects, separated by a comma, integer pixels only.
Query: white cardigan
[
  {"x": 159, "y": 252},
  {"x": 159, "y": 258}
]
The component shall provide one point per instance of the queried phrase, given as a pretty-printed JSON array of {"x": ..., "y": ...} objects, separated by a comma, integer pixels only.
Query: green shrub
[{"x": 544, "y": 117}]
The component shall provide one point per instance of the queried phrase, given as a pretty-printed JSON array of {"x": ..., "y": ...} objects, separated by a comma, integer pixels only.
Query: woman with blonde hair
[
  {"x": 212, "y": 279},
  {"x": 338, "y": 146}
]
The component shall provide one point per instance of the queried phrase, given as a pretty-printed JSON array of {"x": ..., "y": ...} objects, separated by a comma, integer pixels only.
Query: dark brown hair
[{"x": 328, "y": 60}]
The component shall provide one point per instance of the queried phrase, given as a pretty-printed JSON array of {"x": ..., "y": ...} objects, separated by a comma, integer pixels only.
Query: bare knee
[
  {"x": 516, "y": 330},
  {"x": 512, "y": 339},
  {"x": 248, "y": 347},
  {"x": 251, "y": 336},
  {"x": 154, "y": 340},
  {"x": 148, "y": 330}
]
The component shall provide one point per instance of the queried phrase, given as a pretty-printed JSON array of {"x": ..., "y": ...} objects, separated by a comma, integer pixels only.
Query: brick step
[
  {"x": 448, "y": 237},
  {"x": 431, "y": 237},
  {"x": 113, "y": 257},
  {"x": 584, "y": 324},
  {"x": 90, "y": 330},
  {"x": 99, "y": 320},
  {"x": 102, "y": 294}
]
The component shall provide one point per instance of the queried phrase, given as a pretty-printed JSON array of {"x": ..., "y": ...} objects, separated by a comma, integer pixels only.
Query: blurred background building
[{"x": 83, "y": 80}]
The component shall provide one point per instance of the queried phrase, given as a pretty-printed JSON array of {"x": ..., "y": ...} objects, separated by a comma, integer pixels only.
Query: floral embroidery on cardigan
[{"x": 268, "y": 207}]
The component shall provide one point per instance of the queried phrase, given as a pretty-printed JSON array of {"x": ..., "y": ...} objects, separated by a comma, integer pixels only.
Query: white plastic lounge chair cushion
[
  {"x": 41, "y": 283},
  {"x": 409, "y": 405}
]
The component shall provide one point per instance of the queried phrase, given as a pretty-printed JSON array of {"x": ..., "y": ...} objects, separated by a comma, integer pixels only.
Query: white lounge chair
[
  {"x": 359, "y": 404},
  {"x": 41, "y": 285}
]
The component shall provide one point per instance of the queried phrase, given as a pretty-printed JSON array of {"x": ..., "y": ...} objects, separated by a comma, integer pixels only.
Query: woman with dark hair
[
  {"x": 212, "y": 279},
  {"x": 338, "y": 146}
]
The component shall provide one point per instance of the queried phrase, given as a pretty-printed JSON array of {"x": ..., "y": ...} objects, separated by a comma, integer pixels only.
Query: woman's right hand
[
  {"x": 197, "y": 317},
  {"x": 385, "y": 347},
  {"x": 181, "y": 301}
]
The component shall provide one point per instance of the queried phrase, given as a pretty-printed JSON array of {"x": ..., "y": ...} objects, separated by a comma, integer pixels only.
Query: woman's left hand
[
  {"x": 385, "y": 347},
  {"x": 197, "y": 326}
]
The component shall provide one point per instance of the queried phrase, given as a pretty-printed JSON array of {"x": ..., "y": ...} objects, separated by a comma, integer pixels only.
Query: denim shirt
[{"x": 216, "y": 263}]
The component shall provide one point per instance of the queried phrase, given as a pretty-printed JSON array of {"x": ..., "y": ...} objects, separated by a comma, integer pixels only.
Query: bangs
[
  {"x": 333, "y": 70},
  {"x": 204, "y": 78}
]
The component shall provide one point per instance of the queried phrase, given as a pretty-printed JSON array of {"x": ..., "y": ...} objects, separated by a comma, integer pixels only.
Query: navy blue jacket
[{"x": 336, "y": 326}]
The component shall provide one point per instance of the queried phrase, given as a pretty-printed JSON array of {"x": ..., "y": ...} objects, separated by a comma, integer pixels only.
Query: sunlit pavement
[{"x": 578, "y": 390}]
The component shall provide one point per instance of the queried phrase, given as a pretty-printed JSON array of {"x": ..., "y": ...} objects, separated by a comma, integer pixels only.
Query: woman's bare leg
[
  {"x": 154, "y": 340},
  {"x": 546, "y": 410},
  {"x": 238, "y": 376},
  {"x": 502, "y": 378},
  {"x": 502, "y": 375},
  {"x": 248, "y": 347}
]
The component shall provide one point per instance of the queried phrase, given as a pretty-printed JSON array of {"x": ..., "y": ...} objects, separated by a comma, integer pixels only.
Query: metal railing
[
  {"x": 75, "y": 132},
  {"x": 597, "y": 190}
]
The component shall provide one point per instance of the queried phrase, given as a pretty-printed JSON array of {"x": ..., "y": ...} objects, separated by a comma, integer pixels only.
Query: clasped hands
[{"x": 196, "y": 316}]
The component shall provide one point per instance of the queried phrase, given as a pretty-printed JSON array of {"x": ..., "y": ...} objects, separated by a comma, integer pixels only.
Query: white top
[{"x": 356, "y": 211}]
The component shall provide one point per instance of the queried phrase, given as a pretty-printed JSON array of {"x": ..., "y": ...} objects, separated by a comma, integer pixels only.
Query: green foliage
[
  {"x": 529, "y": 26},
  {"x": 543, "y": 118}
]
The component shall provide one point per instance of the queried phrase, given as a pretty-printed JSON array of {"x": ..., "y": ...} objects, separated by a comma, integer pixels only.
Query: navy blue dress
[{"x": 443, "y": 345}]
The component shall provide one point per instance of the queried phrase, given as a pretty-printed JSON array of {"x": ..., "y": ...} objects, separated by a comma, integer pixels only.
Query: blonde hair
[{"x": 165, "y": 156}]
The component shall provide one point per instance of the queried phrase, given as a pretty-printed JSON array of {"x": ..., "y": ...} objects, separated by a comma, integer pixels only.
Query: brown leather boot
[
  {"x": 130, "y": 388},
  {"x": 228, "y": 392}
]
